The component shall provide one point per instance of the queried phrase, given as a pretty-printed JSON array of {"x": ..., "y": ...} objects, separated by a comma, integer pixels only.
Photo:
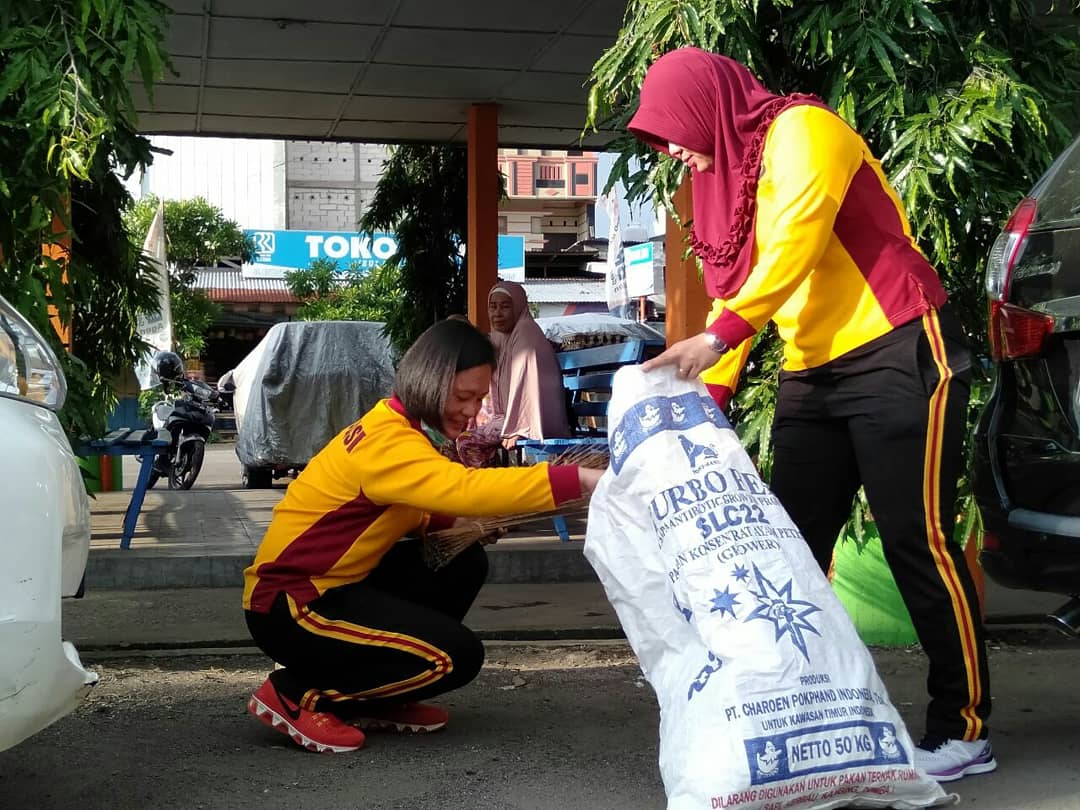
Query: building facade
[
  {"x": 322, "y": 186},
  {"x": 550, "y": 197},
  {"x": 328, "y": 186}
]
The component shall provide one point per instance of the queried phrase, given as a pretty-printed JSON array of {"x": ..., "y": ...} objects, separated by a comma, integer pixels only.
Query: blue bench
[
  {"x": 143, "y": 444},
  {"x": 587, "y": 376}
]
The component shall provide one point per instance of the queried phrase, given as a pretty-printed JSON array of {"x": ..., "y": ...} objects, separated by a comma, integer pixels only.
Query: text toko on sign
[{"x": 276, "y": 252}]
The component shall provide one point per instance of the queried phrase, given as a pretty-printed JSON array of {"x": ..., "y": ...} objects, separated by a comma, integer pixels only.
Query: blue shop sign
[
  {"x": 511, "y": 258},
  {"x": 275, "y": 252}
]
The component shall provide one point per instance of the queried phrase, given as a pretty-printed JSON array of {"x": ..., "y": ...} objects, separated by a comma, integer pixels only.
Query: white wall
[
  {"x": 329, "y": 185},
  {"x": 242, "y": 177},
  {"x": 322, "y": 209}
]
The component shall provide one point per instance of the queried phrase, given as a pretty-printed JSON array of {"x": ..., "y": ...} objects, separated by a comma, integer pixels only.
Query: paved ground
[{"x": 543, "y": 728}]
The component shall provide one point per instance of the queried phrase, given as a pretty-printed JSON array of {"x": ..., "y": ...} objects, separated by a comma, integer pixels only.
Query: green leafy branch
[{"x": 965, "y": 102}]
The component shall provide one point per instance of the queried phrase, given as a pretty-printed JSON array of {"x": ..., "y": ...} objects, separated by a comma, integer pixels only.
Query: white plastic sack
[{"x": 768, "y": 699}]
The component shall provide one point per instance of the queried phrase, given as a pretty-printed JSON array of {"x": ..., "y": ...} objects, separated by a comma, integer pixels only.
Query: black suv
[{"x": 1026, "y": 473}]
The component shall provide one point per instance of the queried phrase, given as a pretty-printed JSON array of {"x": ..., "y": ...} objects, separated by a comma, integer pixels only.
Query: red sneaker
[
  {"x": 415, "y": 718},
  {"x": 316, "y": 731}
]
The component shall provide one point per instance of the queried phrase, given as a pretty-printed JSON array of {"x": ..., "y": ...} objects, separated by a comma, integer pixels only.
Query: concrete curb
[
  {"x": 130, "y": 570},
  {"x": 1028, "y": 637}
]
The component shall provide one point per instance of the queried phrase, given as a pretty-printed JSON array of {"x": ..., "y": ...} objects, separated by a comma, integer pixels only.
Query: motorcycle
[{"x": 186, "y": 410}]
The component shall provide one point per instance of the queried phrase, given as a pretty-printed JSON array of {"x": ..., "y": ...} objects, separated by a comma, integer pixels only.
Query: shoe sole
[
  {"x": 372, "y": 724},
  {"x": 971, "y": 769},
  {"x": 269, "y": 717}
]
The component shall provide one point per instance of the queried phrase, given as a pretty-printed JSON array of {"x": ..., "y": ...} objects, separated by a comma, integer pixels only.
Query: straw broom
[
  {"x": 593, "y": 456},
  {"x": 443, "y": 546}
]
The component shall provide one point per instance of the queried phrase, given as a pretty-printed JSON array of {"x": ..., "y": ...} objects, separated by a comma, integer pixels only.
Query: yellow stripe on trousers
[
  {"x": 350, "y": 633},
  {"x": 936, "y": 538}
]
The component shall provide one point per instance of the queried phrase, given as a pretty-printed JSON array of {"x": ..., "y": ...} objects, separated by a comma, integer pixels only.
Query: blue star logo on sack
[
  {"x": 741, "y": 574},
  {"x": 703, "y": 677},
  {"x": 777, "y": 605},
  {"x": 724, "y": 602}
]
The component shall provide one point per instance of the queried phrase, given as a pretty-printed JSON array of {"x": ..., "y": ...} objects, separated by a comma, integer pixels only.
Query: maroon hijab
[{"x": 714, "y": 105}]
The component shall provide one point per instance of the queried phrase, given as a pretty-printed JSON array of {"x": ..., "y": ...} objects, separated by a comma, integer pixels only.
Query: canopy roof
[{"x": 383, "y": 71}]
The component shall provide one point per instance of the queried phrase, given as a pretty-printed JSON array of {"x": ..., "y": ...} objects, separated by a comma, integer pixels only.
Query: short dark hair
[{"x": 427, "y": 370}]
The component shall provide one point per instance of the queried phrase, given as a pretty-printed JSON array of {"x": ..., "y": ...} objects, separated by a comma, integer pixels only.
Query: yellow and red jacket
[
  {"x": 834, "y": 264},
  {"x": 377, "y": 480}
]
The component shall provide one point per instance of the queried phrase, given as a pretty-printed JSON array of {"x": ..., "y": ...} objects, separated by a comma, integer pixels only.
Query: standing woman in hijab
[{"x": 795, "y": 222}]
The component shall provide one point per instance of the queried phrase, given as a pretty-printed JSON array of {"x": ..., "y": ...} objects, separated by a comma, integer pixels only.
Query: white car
[{"x": 45, "y": 538}]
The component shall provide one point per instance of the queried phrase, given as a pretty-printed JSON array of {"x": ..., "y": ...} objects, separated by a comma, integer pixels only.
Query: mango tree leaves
[
  {"x": 66, "y": 129},
  {"x": 967, "y": 103}
]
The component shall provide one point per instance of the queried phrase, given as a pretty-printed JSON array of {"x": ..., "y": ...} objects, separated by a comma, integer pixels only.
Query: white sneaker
[{"x": 949, "y": 760}]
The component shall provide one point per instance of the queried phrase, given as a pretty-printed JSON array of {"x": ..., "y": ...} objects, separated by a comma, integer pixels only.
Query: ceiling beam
[{"x": 363, "y": 69}]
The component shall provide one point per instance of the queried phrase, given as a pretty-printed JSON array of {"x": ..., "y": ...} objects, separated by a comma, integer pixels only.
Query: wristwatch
[{"x": 715, "y": 343}]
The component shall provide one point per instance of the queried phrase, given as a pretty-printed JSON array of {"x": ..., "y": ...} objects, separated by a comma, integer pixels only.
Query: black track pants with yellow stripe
[
  {"x": 391, "y": 638},
  {"x": 891, "y": 417}
]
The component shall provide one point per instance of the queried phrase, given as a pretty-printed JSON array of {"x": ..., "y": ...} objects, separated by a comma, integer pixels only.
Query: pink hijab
[
  {"x": 526, "y": 388},
  {"x": 714, "y": 105}
]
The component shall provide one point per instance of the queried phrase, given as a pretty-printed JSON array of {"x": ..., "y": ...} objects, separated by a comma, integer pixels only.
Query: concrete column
[
  {"x": 482, "y": 241},
  {"x": 687, "y": 303},
  {"x": 59, "y": 249}
]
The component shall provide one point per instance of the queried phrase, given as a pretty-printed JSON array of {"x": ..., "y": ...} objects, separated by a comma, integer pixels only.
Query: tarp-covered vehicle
[{"x": 300, "y": 386}]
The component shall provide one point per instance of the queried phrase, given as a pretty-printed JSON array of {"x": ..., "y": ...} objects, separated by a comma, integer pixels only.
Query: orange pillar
[
  {"x": 60, "y": 250},
  {"x": 687, "y": 303},
  {"x": 482, "y": 243}
]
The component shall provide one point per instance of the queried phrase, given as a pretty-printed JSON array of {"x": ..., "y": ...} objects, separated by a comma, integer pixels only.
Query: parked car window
[{"x": 1058, "y": 192}]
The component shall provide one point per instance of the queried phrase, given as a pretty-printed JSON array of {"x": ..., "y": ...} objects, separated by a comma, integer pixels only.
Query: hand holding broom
[{"x": 442, "y": 546}]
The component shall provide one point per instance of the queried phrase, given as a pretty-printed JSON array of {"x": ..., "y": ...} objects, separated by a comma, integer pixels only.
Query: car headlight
[{"x": 28, "y": 367}]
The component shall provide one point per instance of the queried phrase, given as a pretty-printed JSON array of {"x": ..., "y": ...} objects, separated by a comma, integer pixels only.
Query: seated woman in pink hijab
[{"x": 526, "y": 398}]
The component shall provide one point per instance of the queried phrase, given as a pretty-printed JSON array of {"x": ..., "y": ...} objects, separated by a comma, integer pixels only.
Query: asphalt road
[
  {"x": 168, "y": 733},
  {"x": 542, "y": 728}
]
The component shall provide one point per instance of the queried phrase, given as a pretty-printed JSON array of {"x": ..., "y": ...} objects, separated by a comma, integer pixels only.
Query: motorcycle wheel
[{"x": 186, "y": 469}]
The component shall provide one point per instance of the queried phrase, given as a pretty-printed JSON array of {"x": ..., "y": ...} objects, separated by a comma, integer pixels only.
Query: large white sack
[{"x": 768, "y": 699}]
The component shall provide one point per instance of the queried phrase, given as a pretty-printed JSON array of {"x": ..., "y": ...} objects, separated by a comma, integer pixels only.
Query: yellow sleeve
[
  {"x": 725, "y": 372},
  {"x": 401, "y": 467},
  {"x": 808, "y": 162}
]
